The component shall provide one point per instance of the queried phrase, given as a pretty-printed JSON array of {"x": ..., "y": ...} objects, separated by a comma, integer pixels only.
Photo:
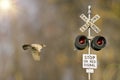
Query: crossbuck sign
[{"x": 90, "y": 23}]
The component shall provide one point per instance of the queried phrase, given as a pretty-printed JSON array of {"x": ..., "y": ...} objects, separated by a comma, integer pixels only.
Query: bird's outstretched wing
[
  {"x": 35, "y": 50},
  {"x": 26, "y": 46}
]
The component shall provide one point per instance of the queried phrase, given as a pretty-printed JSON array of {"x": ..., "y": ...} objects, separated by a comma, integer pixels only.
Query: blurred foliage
[{"x": 56, "y": 23}]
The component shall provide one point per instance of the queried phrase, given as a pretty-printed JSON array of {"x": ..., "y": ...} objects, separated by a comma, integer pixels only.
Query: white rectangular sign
[
  {"x": 89, "y": 70},
  {"x": 89, "y": 61}
]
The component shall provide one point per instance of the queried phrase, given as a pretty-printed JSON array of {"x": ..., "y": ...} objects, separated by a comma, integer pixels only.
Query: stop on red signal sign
[{"x": 89, "y": 61}]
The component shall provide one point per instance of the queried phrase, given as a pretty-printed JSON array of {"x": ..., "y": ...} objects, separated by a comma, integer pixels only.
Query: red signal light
[
  {"x": 100, "y": 41},
  {"x": 82, "y": 40}
]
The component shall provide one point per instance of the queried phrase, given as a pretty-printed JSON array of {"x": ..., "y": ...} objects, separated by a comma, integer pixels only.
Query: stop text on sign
[{"x": 89, "y": 61}]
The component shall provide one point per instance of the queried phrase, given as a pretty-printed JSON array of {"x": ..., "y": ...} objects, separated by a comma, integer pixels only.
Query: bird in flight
[{"x": 35, "y": 50}]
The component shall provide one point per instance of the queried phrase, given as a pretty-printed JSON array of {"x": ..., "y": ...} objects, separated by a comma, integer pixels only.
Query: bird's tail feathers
[{"x": 36, "y": 57}]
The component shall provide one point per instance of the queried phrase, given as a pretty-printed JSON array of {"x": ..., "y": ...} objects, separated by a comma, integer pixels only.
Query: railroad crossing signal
[{"x": 96, "y": 43}]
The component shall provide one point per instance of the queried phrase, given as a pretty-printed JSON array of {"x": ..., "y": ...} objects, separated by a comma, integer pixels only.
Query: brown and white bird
[{"x": 35, "y": 50}]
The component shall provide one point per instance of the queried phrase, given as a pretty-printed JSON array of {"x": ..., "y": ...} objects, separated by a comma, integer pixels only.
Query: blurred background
[{"x": 56, "y": 23}]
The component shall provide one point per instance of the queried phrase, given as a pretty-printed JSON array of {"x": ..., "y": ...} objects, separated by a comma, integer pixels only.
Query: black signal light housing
[
  {"x": 98, "y": 43},
  {"x": 81, "y": 42}
]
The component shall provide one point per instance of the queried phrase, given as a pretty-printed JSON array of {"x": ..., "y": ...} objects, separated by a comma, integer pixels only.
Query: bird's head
[{"x": 43, "y": 45}]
